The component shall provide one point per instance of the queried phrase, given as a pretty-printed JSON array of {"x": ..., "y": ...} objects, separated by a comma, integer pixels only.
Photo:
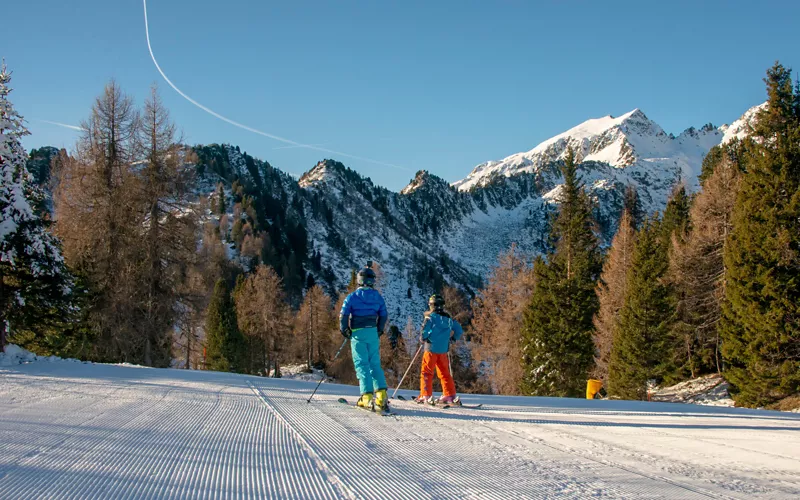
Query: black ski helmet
[
  {"x": 436, "y": 302},
  {"x": 366, "y": 277}
]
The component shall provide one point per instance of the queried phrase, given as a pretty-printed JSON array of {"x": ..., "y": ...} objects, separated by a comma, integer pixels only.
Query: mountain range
[{"x": 433, "y": 232}]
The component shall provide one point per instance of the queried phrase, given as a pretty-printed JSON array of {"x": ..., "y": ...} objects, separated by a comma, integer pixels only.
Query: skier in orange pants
[{"x": 438, "y": 331}]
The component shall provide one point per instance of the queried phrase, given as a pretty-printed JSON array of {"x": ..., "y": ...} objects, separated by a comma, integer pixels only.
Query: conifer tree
[
  {"x": 220, "y": 200},
  {"x": 641, "y": 341},
  {"x": 676, "y": 215},
  {"x": 264, "y": 317},
  {"x": 395, "y": 359},
  {"x": 97, "y": 220},
  {"x": 633, "y": 206},
  {"x": 498, "y": 310},
  {"x": 224, "y": 342},
  {"x": 557, "y": 329},
  {"x": 611, "y": 291},
  {"x": 168, "y": 242},
  {"x": 697, "y": 269},
  {"x": 35, "y": 285},
  {"x": 761, "y": 314},
  {"x": 312, "y": 327}
]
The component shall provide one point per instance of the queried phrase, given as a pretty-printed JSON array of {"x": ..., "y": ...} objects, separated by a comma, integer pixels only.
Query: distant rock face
[
  {"x": 458, "y": 230},
  {"x": 631, "y": 140},
  {"x": 741, "y": 128},
  {"x": 431, "y": 232}
]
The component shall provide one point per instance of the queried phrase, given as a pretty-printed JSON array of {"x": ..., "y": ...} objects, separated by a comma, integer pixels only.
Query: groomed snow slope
[{"x": 71, "y": 430}]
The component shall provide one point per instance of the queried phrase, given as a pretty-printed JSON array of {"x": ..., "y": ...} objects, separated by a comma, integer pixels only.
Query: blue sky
[{"x": 440, "y": 86}]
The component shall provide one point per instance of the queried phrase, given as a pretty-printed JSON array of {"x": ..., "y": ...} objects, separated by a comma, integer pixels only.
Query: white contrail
[
  {"x": 295, "y": 147},
  {"x": 73, "y": 127},
  {"x": 245, "y": 127}
]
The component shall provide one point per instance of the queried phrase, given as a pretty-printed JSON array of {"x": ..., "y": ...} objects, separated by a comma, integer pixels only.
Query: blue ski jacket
[
  {"x": 363, "y": 308},
  {"x": 436, "y": 331}
]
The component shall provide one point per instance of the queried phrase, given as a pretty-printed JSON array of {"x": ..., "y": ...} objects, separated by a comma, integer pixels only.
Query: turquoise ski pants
[{"x": 365, "y": 346}]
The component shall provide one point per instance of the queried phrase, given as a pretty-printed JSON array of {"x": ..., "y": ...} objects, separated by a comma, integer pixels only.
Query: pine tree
[
  {"x": 100, "y": 227},
  {"x": 497, "y": 321},
  {"x": 312, "y": 328},
  {"x": 168, "y": 242},
  {"x": 641, "y": 342},
  {"x": 220, "y": 200},
  {"x": 557, "y": 330},
  {"x": 611, "y": 291},
  {"x": 353, "y": 284},
  {"x": 224, "y": 342},
  {"x": 395, "y": 360},
  {"x": 761, "y": 314},
  {"x": 633, "y": 206},
  {"x": 676, "y": 215},
  {"x": 35, "y": 285},
  {"x": 265, "y": 318},
  {"x": 697, "y": 269}
]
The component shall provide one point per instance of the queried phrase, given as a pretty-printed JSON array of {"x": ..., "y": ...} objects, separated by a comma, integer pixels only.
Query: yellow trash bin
[{"x": 593, "y": 387}]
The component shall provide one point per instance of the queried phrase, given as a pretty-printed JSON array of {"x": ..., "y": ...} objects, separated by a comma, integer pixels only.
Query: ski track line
[
  {"x": 353, "y": 452},
  {"x": 684, "y": 469},
  {"x": 98, "y": 459},
  {"x": 423, "y": 465},
  {"x": 542, "y": 442},
  {"x": 583, "y": 412},
  {"x": 45, "y": 439},
  {"x": 322, "y": 467},
  {"x": 699, "y": 491},
  {"x": 680, "y": 467},
  {"x": 562, "y": 461},
  {"x": 172, "y": 443},
  {"x": 54, "y": 463}
]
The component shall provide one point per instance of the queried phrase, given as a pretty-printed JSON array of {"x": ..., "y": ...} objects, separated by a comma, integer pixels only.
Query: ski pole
[
  {"x": 449, "y": 363},
  {"x": 408, "y": 370},
  {"x": 323, "y": 375}
]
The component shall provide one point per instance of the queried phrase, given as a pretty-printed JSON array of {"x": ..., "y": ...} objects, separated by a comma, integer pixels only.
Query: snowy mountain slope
[
  {"x": 741, "y": 127},
  {"x": 514, "y": 195},
  {"x": 74, "y": 430},
  {"x": 629, "y": 140},
  {"x": 432, "y": 233}
]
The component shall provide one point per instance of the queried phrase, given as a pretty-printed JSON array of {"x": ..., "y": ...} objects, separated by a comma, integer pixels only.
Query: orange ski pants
[{"x": 441, "y": 363}]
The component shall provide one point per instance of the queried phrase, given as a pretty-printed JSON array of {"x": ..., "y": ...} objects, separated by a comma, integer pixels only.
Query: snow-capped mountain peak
[
  {"x": 425, "y": 181},
  {"x": 742, "y": 127},
  {"x": 321, "y": 173},
  {"x": 619, "y": 142},
  {"x": 611, "y": 140}
]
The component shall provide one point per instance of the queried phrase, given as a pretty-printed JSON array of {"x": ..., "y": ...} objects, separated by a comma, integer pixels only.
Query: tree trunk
[
  {"x": 2, "y": 314},
  {"x": 189, "y": 334},
  {"x": 147, "y": 360}
]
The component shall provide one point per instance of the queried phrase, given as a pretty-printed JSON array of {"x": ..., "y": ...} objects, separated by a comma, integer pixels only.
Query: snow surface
[
  {"x": 741, "y": 127},
  {"x": 72, "y": 430},
  {"x": 711, "y": 390},
  {"x": 629, "y": 140}
]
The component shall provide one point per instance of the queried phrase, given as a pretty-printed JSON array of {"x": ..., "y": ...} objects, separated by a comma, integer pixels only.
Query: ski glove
[{"x": 347, "y": 333}]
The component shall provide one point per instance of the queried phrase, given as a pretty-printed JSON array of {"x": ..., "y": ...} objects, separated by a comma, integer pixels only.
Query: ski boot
[
  {"x": 381, "y": 401},
  {"x": 365, "y": 401},
  {"x": 446, "y": 400},
  {"x": 424, "y": 399}
]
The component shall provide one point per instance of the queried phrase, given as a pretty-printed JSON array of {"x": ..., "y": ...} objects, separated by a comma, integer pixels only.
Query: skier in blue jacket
[
  {"x": 362, "y": 320},
  {"x": 439, "y": 330}
]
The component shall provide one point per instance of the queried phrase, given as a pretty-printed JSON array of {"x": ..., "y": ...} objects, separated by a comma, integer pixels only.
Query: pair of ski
[
  {"x": 384, "y": 413},
  {"x": 455, "y": 404}
]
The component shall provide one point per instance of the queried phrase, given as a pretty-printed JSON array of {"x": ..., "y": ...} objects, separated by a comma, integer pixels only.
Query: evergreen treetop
[
  {"x": 35, "y": 285},
  {"x": 557, "y": 329},
  {"x": 761, "y": 314}
]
